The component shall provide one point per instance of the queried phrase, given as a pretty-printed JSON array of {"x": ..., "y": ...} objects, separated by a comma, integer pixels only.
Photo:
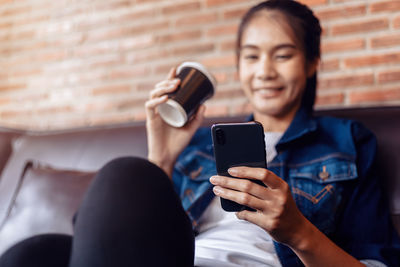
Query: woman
[
  {"x": 278, "y": 53},
  {"x": 321, "y": 182}
]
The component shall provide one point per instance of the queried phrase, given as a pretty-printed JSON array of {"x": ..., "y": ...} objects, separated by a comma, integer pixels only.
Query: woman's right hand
[{"x": 166, "y": 142}]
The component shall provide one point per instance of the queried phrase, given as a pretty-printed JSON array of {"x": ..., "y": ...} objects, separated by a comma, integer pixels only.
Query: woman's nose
[{"x": 266, "y": 70}]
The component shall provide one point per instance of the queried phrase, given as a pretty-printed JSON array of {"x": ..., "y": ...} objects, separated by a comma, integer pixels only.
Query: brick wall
[{"x": 72, "y": 63}]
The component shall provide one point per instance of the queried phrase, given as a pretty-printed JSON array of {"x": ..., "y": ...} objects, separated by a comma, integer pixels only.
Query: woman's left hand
[{"x": 276, "y": 211}]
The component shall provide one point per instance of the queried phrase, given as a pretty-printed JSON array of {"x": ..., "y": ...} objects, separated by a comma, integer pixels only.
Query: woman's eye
[
  {"x": 283, "y": 57},
  {"x": 251, "y": 57}
]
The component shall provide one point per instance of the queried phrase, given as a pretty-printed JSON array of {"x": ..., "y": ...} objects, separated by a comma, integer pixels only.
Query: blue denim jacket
[{"x": 329, "y": 164}]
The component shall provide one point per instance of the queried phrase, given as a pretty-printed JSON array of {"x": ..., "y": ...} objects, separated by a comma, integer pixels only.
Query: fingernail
[
  {"x": 213, "y": 179},
  {"x": 232, "y": 171},
  {"x": 217, "y": 190}
]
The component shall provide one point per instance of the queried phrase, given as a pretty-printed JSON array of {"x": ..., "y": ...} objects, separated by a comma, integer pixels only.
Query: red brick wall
[{"x": 72, "y": 63}]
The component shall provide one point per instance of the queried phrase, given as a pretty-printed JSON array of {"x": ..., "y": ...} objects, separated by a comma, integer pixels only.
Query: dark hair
[{"x": 305, "y": 26}]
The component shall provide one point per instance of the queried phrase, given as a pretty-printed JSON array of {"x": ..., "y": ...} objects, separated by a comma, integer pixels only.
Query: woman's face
[{"x": 272, "y": 65}]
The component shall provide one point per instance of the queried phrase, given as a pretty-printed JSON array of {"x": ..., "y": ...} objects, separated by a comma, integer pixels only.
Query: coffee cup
[{"x": 196, "y": 86}]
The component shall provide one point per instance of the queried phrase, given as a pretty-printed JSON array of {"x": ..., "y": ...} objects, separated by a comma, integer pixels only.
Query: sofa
[{"x": 45, "y": 174}]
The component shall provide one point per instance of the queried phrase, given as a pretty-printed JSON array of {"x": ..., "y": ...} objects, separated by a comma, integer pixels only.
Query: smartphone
[{"x": 238, "y": 144}]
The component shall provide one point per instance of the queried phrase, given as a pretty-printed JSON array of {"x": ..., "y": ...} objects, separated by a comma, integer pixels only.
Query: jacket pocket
[
  {"x": 197, "y": 166},
  {"x": 193, "y": 173},
  {"x": 317, "y": 187}
]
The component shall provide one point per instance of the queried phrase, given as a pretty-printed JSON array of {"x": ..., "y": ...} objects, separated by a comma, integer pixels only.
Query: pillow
[{"x": 45, "y": 202}]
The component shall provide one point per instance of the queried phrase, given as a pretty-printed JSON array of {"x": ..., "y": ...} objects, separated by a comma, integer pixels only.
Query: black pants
[{"x": 130, "y": 216}]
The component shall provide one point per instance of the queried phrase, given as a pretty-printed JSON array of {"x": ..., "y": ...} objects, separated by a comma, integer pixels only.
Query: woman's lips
[{"x": 267, "y": 92}]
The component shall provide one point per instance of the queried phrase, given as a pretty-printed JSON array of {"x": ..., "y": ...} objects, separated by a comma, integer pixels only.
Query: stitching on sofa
[{"x": 28, "y": 164}]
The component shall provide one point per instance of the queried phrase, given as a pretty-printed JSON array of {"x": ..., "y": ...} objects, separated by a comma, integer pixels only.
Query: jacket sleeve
[{"x": 364, "y": 227}]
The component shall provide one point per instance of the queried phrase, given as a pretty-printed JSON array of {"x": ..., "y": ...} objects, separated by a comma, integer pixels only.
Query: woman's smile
[{"x": 268, "y": 92}]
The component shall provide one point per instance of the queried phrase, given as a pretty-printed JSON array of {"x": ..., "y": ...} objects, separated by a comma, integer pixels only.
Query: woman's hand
[
  {"x": 276, "y": 210},
  {"x": 165, "y": 142},
  {"x": 277, "y": 213}
]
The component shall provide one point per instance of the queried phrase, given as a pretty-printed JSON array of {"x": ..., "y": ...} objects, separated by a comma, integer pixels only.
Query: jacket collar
[{"x": 303, "y": 123}]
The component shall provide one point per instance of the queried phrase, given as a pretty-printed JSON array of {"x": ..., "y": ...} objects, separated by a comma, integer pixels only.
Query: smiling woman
[{"x": 320, "y": 185}]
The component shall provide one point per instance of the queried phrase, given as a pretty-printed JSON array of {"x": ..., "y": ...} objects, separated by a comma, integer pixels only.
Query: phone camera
[{"x": 219, "y": 134}]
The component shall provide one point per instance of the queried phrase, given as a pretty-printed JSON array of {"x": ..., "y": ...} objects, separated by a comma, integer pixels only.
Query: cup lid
[{"x": 200, "y": 67}]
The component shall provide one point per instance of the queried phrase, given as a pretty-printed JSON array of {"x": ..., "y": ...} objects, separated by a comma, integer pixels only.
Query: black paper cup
[{"x": 197, "y": 85}]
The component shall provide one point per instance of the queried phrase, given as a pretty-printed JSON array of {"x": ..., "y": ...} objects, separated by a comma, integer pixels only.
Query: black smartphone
[{"x": 238, "y": 144}]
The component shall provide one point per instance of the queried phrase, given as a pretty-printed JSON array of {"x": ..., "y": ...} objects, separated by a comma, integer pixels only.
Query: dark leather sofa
[{"x": 44, "y": 174}]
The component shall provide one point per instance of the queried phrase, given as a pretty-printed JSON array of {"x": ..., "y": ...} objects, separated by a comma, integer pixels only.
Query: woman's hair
[{"x": 307, "y": 30}]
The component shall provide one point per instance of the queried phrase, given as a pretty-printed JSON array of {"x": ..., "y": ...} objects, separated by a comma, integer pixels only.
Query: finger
[
  {"x": 197, "y": 119},
  {"x": 240, "y": 197},
  {"x": 172, "y": 73},
  {"x": 249, "y": 216},
  {"x": 242, "y": 185},
  {"x": 165, "y": 88},
  {"x": 150, "y": 105},
  {"x": 166, "y": 83},
  {"x": 269, "y": 178},
  {"x": 163, "y": 83}
]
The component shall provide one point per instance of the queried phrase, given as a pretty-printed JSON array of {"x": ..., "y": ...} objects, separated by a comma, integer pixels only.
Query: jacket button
[{"x": 324, "y": 174}]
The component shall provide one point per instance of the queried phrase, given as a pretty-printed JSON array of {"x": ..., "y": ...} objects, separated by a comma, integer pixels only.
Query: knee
[
  {"x": 131, "y": 172},
  {"x": 127, "y": 182},
  {"x": 130, "y": 166},
  {"x": 125, "y": 164}
]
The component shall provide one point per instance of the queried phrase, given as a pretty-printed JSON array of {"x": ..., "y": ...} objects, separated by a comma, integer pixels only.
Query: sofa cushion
[
  {"x": 45, "y": 202},
  {"x": 84, "y": 149}
]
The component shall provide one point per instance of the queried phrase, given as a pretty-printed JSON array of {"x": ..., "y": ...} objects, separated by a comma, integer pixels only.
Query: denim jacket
[{"x": 329, "y": 164}]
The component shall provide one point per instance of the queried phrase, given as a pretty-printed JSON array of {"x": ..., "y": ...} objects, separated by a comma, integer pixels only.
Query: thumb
[
  {"x": 200, "y": 114},
  {"x": 195, "y": 123}
]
